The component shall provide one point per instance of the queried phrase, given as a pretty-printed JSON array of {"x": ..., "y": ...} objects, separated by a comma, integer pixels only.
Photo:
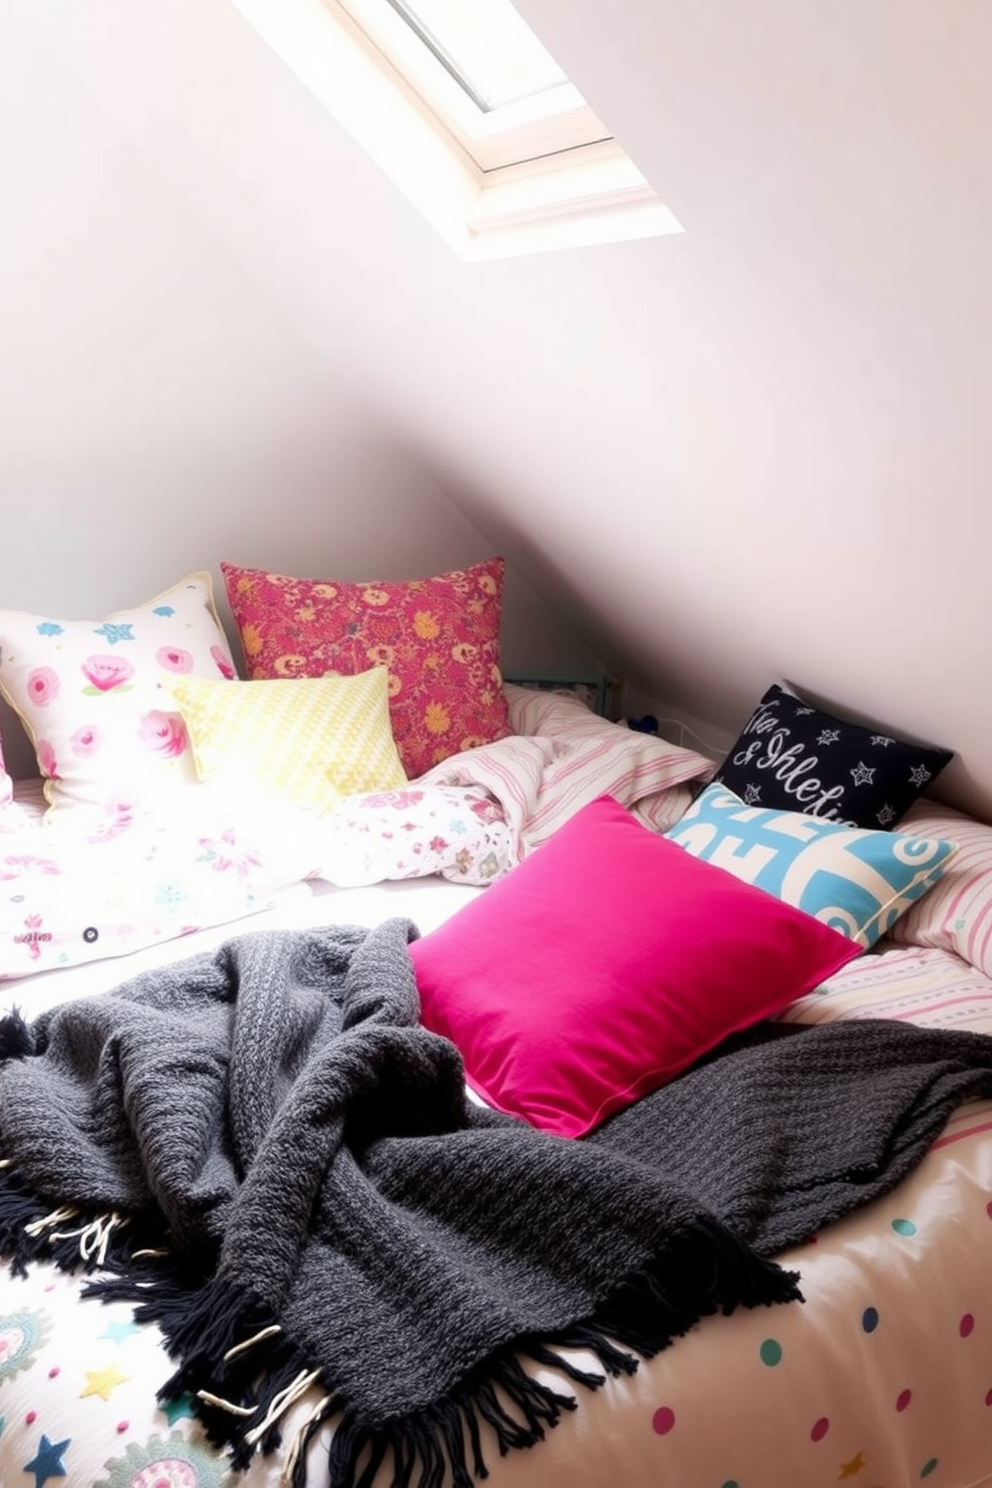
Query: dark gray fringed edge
[
  {"x": 703, "y": 1269},
  {"x": 16, "y": 1039},
  {"x": 20, "y": 1208}
]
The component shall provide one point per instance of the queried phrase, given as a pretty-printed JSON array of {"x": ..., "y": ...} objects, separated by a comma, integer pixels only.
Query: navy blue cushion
[{"x": 796, "y": 757}]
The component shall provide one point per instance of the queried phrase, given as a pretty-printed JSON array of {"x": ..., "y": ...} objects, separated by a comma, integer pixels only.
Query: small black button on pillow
[{"x": 792, "y": 756}]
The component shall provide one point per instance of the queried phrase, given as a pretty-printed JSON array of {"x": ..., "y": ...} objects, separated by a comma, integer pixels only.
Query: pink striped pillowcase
[
  {"x": 956, "y": 915},
  {"x": 561, "y": 756}
]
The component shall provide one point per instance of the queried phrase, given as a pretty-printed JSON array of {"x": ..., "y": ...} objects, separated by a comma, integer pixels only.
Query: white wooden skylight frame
[
  {"x": 487, "y": 47},
  {"x": 495, "y": 178},
  {"x": 499, "y": 117}
]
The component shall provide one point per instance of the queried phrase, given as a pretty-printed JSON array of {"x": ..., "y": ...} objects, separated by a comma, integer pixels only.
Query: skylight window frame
[
  {"x": 531, "y": 128},
  {"x": 566, "y": 198},
  {"x": 496, "y": 29}
]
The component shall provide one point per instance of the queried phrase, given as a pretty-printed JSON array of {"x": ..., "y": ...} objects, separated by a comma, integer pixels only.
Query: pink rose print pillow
[
  {"x": 89, "y": 692},
  {"x": 438, "y": 638}
]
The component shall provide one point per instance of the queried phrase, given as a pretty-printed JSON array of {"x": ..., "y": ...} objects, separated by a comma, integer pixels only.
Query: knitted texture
[
  {"x": 788, "y": 1128},
  {"x": 274, "y": 1119}
]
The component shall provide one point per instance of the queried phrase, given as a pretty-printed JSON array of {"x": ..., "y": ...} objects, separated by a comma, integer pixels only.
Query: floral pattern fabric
[
  {"x": 459, "y": 833},
  {"x": 88, "y": 888},
  {"x": 75, "y": 894},
  {"x": 109, "y": 886},
  {"x": 437, "y": 637},
  {"x": 106, "y": 733}
]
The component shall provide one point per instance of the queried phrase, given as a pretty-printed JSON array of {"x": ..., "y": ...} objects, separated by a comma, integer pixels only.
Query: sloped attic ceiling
[{"x": 760, "y": 450}]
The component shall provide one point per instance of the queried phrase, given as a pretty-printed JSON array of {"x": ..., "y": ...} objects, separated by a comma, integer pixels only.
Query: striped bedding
[
  {"x": 913, "y": 984},
  {"x": 883, "y": 1377},
  {"x": 957, "y": 914},
  {"x": 561, "y": 756}
]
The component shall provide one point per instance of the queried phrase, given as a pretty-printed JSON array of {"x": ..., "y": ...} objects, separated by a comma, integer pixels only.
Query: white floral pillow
[
  {"x": 457, "y": 832},
  {"x": 89, "y": 692}
]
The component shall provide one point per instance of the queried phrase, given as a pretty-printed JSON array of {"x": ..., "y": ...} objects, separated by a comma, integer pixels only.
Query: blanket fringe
[
  {"x": 16, "y": 1039},
  {"x": 33, "y": 1229},
  {"x": 705, "y": 1268},
  {"x": 294, "y": 1470},
  {"x": 244, "y": 1375}
]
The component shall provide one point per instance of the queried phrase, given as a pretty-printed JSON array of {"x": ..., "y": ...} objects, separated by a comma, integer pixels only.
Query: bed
[{"x": 883, "y": 1375}]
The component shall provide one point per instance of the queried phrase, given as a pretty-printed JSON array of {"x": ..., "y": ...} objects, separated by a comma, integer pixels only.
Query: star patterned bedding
[{"x": 883, "y": 1377}]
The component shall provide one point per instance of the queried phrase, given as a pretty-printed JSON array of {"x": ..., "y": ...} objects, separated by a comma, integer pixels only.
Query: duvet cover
[{"x": 883, "y": 1376}]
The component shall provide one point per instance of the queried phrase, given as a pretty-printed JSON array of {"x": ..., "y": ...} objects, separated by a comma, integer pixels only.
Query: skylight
[
  {"x": 472, "y": 118},
  {"x": 484, "y": 75},
  {"x": 487, "y": 48}
]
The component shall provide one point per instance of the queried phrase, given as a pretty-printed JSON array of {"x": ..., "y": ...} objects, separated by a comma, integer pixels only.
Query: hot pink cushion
[
  {"x": 438, "y": 638},
  {"x": 604, "y": 964}
]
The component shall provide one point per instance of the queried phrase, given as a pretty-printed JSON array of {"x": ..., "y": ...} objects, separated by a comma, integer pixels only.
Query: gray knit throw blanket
[{"x": 264, "y": 1151}]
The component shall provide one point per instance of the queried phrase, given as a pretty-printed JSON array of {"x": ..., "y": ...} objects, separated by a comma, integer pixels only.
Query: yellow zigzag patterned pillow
[{"x": 309, "y": 740}]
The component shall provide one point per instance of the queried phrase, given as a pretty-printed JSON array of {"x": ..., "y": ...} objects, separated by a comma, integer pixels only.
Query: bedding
[
  {"x": 883, "y": 1374},
  {"x": 560, "y": 756},
  {"x": 82, "y": 892},
  {"x": 86, "y": 888},
  {"x": 87, "y": 885}
]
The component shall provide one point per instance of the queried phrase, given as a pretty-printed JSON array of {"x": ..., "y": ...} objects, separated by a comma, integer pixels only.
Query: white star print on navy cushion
[{"x": 794, "y": 757}]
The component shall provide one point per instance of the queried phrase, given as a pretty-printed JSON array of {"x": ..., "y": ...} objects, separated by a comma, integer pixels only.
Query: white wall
[
  {"x": 758, "y": 450},
  {"x": 158, "y": 413}
]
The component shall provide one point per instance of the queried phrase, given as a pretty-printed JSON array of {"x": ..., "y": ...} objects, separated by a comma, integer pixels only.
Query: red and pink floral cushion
[
  {"x": 437, "y": 637},
  {"x": 89, "y": 692}
]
